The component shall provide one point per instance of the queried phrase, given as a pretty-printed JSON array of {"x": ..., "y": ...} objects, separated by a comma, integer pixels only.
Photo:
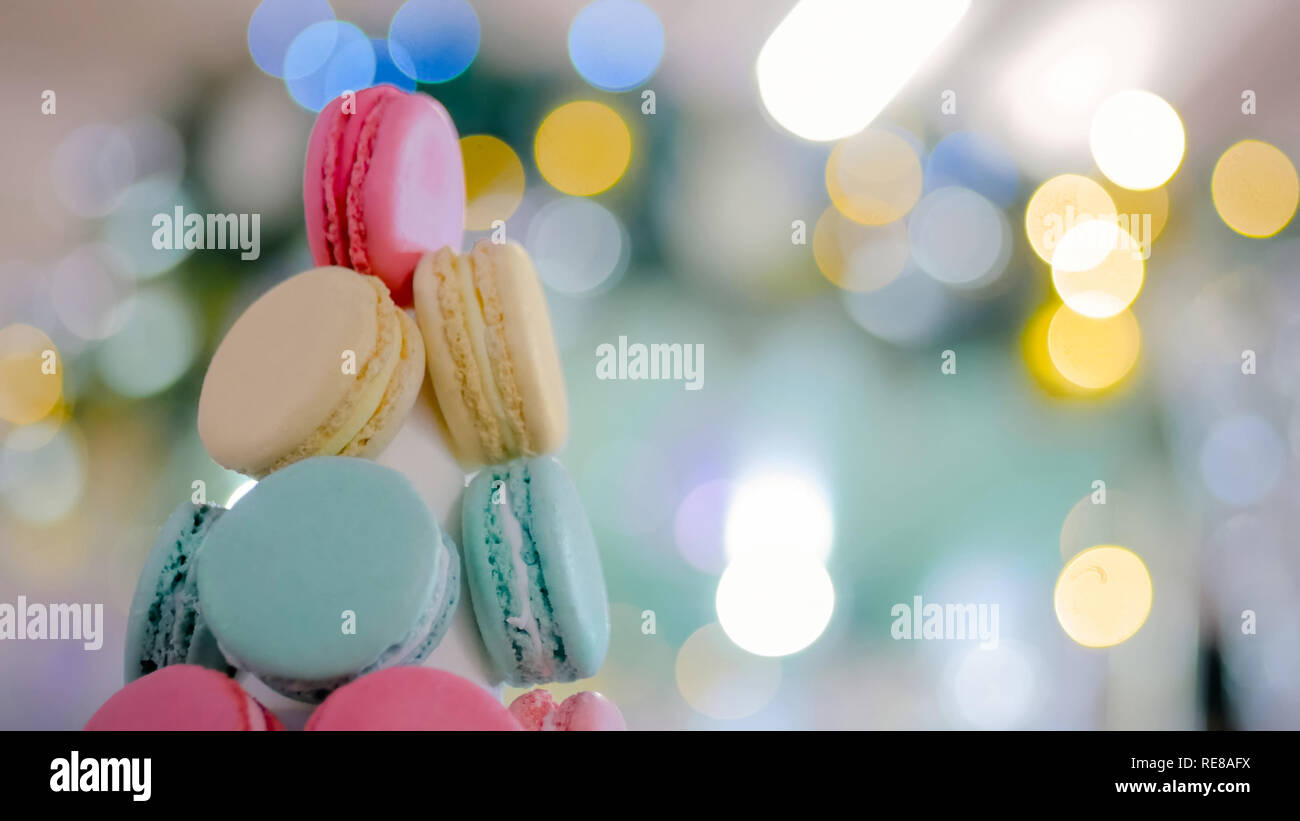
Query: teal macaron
[
  {"x": 164, "y": 625},
  {"x": 534, "y": 573},
  {"x": 327, "y": 570}
]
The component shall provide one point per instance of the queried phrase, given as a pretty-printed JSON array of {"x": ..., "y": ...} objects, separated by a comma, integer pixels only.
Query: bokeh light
[
  {"x": 1242, "y": 459},
  {"x": 995, "y": 689},
  {"x": 1137, "y": 139},
  {"x": 873, "y": 177},
  {"x": 87, "y": 293},
  {"x": 699, "y": 526},
  {"x": 37, "y": 434},
  {"x": 616, "y": 44},
  {"x": 1255, "y": 188},
  {"x": 577, "y": 245},
  {"x": 582, "y": 148},
  {"x": 157, "y": 149},
  {"x": 722, "y": 681},
  {"x": 1117, "y": 520},
  {"x": 31, "y": 374},
  {"x": 325, "y": 60},
  {"x": 859, "y": 257},
  {"x": 779, "y": 512},
  {"x": 1038, "y": 359},
  {"x": 41, "y": 486},
  {"x": 1103, "y": 596},
  {"x": 830, "y": 66},
  {"x": 1058, "y": 205},
  {"x": 976, "y": 161},
  {"x": 1097, "y": 268},
  {"x": 392, "y": 65},
  {"x": 1093, "y": 353},
  {"x": 440, "y": 37},
  {"x": 908, "y": 311},
  {"x": 1146, "y": 212},
  {"x": 959, "y": 238},
  {"x": 774, "y": 603},
  {"x": 130, "y": 229},
  {"x": 274, "y": 25},
  {"x": 154, "y": 348},
  {"x": 93, "y": 166},
  {"x": 494, "y": 180}
]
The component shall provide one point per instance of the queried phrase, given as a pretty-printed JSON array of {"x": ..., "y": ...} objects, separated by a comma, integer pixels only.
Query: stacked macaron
[{"x": 334, "y": 576}]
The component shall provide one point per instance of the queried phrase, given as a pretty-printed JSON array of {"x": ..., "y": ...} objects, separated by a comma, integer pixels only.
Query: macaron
[
  {"x": 164, "y": 626},
  {"x": 383, "y": 184},
  {"x": 183, "y": 697},
  {"x": 411, "y": 698},
  {"x": 534, "y": 573},
  {"x": 322, "y": 364},
  {"x": 491, "y": 353},
  {"x": 580, "y": 712},
  {"x": 327, "y": 570}
]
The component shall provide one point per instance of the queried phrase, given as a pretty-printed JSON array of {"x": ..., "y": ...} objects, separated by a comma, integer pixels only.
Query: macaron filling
[
  {"x": 375, "y": 376},
  {"x": 348, "y": 152},
  {"x": 474, "y": 331},
  {"x": 414, "y": 647},
  {"x": 516, "y": 568},
  {"x": 398, "y": 396},
  {"x": 170, "y": 629},
  {"x": 356, "y": 249}
]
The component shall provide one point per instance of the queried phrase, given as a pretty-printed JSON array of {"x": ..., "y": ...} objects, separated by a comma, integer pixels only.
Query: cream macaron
[
  {"x": 491, "y": 353},
  {"x": 323, "y": 364}
]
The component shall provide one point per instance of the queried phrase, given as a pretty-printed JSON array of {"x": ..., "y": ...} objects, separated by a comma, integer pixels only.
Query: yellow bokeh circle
[
  {"x": 1093, "y": 353},
  {"x": 1103, "y": 596},
  {"x": 1033, "y": 347},
  {"x": 1058, "y": 205},
  {"x": 1255, "y": 188},
  {"x": 1144, "y": 214},
  {"x": 873, "y": 177},
  {"x": 494, "y": 180},
  {"x": 31, "y": 374},
  {"x": 583, "y": 148},
  {"x": 1097, "y": 268},
  {"x": 858, "y": 257}
]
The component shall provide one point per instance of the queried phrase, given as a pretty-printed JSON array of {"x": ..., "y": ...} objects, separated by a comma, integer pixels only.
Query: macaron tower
[{"x": 360, "y": 574}]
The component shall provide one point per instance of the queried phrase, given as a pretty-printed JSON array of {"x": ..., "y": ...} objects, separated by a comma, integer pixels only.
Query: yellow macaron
[
  {"x": 491, "y": 353},
  {"x": 324, "y": 363}
]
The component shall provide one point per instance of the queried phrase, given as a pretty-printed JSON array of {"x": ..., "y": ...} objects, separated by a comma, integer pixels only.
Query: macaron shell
[
  {"x": 589, "y": 712},
  {"x": 570, "y": 561},
  {"x": 518, "y": 375},
  {"x": 405, "y": 189},
  {"x": 581, "y": 712},
  {"x": 541, "y": 606},
  {"x": 398, "y": 398},
  {"x": 277, "y": 390},
  {"x": 331, "y": 155},
  {"x": 309, "y": 545},
  {"x": 164, "y": 626},
  {"x": 539, "y": 377},
  {"x": 182, "y": 697},
  {"x": 411, "y": 698}
]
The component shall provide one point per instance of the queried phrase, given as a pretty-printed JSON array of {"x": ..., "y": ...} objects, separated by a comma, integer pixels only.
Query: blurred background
[{"x": 921, "y": 352}]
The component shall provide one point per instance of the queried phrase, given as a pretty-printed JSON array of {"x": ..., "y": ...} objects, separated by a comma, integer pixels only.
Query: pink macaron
[
  {"x": 384, "y": 184},
  {"x": 586, "y": 711},
  {"x": 411, "y": 698},
  {"x": 183, "y": 697}
]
